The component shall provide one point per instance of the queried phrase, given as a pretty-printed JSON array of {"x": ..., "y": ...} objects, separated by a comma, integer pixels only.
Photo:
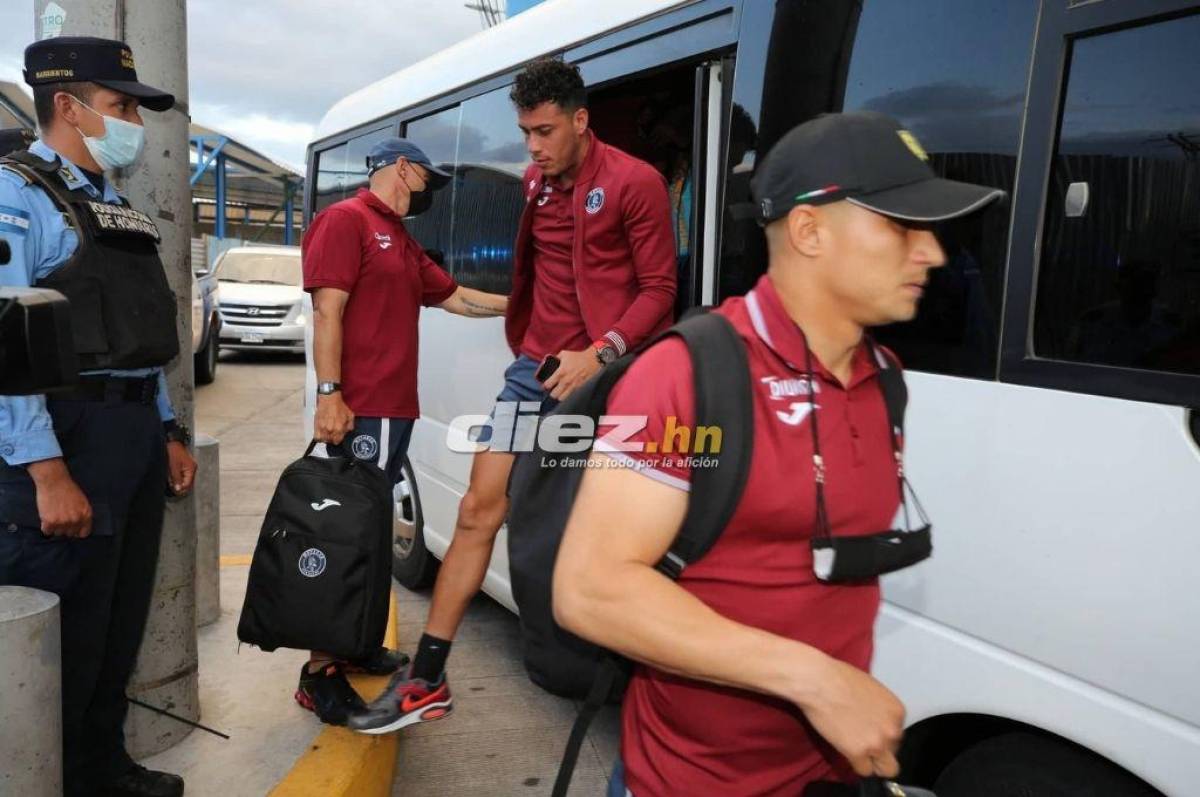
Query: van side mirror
[{"x": 1076, "y": 204}]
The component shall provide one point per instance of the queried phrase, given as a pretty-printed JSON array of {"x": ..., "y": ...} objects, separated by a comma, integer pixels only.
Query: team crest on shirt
[
  {"x": 545, "y": 197},
  {"x": 385, "y": 241},
  {"x": 364, "y": 447},
  {"x": 594, "y": 201}
]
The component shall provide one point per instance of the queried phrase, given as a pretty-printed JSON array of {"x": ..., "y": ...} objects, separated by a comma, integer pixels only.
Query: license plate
[{"x": 252, "y": 337}]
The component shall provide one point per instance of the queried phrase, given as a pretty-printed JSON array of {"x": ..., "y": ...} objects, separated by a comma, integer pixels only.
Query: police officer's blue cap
[
  {"x": 85, "y": 59},
  {"x": 390, "y": 150}
]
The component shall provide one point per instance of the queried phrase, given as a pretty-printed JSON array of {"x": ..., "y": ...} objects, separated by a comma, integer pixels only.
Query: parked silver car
[{"x": 261, "y": 299}]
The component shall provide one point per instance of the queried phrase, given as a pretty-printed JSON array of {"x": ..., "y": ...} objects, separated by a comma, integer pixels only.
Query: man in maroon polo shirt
[
  {"x": 753, "y": 671},
  {"x": 369, "y": 280},
  {"x": 594, "y": 276}
]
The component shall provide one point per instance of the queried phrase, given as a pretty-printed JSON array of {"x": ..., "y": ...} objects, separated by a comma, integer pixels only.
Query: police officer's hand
[
  {"x": 857, "y": 715},
  {"x": 334, "y": 419},
  {"x": 62, "y": 506},
  {"x": 575, "y": 368},
  {"x": 181, "y": 468}
]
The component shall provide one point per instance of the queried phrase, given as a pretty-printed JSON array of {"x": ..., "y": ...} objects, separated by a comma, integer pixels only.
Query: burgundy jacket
[{"x": 624, "y": 250}]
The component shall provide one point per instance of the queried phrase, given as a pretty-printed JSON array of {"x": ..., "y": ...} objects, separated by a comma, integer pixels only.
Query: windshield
[{"x": 265, "y": 269}]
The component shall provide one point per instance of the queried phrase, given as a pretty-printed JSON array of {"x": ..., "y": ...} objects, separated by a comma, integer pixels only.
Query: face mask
[
  {"x": 121, "y": 145},
  {"x": 419, "y": 202},
  {"x": 841, "y": 560}
]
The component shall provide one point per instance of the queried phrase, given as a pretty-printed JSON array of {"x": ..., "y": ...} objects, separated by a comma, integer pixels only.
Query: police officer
[{"x": 84, "y": 473}]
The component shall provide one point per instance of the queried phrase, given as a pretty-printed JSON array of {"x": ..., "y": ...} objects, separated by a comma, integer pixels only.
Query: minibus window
[{"x": 1119, "y": 279}]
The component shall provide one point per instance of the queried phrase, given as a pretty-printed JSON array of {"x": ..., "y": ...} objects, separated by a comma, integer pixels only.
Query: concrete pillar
[
  {"x": 31, "y": 696},
  {"x": 208, "y": 530},
  {"x": 156, "y": 31}
]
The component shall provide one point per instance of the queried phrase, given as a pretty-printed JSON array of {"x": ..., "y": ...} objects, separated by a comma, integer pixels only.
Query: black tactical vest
[{"x": 123, "y": 312}]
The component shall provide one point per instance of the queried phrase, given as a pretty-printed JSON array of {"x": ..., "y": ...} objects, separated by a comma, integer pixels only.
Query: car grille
[{"x": 254, "y": 315}]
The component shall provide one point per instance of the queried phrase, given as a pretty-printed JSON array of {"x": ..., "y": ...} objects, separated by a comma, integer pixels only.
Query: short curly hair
[{"x": 549, "y": 80}]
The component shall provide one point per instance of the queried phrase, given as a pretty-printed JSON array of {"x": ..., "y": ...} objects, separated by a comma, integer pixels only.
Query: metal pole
[
  {"x": 156, "y": 30},
  {"x": 220, "y": 228},
  {"x": 31, "y": 700},
  {"x": 289, "y": 211}
]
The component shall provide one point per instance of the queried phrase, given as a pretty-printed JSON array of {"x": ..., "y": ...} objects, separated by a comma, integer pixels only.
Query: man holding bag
[{"x": 369, "y": 280}]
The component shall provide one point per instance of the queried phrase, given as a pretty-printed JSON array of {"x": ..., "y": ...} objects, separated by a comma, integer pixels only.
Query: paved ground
[{"x": 505, "y": 736}]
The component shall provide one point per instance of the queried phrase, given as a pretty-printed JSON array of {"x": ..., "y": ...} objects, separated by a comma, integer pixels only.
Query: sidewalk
[{"x": 254, "y": 409}]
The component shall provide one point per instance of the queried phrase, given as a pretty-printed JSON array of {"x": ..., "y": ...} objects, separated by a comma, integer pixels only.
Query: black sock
[{"x": 431, "y": 657}]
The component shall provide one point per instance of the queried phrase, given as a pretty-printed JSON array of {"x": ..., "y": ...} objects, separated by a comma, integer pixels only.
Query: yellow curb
[
  {"x": 342, "y": 763},
  {"x": 235, "y": 560}
]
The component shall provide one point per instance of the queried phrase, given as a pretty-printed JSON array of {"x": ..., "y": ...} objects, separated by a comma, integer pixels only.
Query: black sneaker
[
  {"x": 142, "y": 782},
  {"x": 382, "y": 662},
  {"x": 328, "y": 694}
]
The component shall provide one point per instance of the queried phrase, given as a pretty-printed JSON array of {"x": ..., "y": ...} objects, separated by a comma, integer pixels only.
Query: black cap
[
  {"x": 84, "y": 59},
  {"x": 865, "y": 158},
  {"x": 390, "y": 150}
]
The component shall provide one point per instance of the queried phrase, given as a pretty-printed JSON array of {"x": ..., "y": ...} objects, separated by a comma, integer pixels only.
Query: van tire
[
  {"x": 412, "y": 563},
  {"x": 206, "y": 359},
  {"x": 1028, "y": 764}
]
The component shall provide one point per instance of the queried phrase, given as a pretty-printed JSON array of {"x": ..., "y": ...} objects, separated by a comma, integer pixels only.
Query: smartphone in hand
[{"x": 549, "y": 365}]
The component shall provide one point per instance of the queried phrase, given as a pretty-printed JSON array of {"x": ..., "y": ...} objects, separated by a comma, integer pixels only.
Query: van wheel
[
  {"x": 1021, "y": 764},
  {"x": 412, "y": 563},
  {"x": 206, "y": 358}
]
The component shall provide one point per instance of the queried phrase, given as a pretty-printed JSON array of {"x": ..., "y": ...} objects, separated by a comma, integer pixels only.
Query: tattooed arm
[{"x": 475, "y": 304}]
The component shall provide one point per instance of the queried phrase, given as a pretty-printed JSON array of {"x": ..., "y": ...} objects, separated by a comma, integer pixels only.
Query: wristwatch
[
  {"x": 328, "y": 388},
  {"x": 177, "y": 432},
  {"x": 605, "y": 352}
]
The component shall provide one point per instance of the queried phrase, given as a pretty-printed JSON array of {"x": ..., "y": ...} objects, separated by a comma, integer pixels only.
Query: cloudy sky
[{"x": 266, "y": 72}]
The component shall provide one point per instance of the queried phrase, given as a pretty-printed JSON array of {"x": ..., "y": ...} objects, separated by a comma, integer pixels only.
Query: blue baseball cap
[{"x": 390, "y": 150}]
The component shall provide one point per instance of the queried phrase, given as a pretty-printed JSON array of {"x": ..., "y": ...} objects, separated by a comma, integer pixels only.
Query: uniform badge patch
[
  {"x": 594, "y": 201},
  {"x": 364, "y": 447},
  {"x": 312, "y": 563}
]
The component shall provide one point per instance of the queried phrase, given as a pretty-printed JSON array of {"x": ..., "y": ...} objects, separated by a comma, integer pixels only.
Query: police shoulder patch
[{"x": 14, "y": 220}]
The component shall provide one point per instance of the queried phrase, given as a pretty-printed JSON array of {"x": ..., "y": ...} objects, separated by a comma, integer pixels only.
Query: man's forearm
[
  {"x": 327, "y": 347},
  {"x": 641, "y": 614},
  {"x": 475, "y": 304}
]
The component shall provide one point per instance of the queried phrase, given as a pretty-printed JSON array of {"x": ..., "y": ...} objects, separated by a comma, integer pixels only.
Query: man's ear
[
  {"x": 67, "y": 108},
  {"x": 806, "y": 231},
  {"x": 580, "y": 121}
]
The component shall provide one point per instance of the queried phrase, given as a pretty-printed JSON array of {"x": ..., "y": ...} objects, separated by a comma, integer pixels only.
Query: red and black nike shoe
[{"x": 328, "y": 694}]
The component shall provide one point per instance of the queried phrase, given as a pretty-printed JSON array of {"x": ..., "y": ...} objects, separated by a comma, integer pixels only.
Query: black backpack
[
  {"x": 320, "y": 578},
  {"x": 541, "y": 500}
]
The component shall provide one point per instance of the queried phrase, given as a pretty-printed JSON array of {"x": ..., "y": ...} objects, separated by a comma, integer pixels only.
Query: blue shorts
[
  {"x": 520, "y": 386},
  {"x": 382, "y": 441}
]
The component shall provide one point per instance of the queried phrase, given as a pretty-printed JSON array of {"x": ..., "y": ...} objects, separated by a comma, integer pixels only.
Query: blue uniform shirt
[{"x": 41, "y": 241}]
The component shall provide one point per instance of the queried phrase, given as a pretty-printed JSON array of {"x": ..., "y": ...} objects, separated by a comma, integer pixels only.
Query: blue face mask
[{"x": 121, "y": 145}]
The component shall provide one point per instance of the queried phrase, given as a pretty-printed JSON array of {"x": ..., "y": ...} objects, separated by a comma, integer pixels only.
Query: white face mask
[{"x": 121, "y": 145}]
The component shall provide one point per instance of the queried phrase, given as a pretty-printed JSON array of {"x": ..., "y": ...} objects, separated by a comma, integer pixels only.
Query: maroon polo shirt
[
  {"x": 686, "y": 737},
  {"x": 556, "y": 322},
  {"x": 360, "y": 246}
]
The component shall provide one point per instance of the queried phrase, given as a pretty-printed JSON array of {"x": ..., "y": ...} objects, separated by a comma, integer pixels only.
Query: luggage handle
[{"x": 332, "y": 451}]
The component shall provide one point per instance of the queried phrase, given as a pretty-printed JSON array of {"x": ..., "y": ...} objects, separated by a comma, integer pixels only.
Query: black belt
[{"x": 134, "y": 389}]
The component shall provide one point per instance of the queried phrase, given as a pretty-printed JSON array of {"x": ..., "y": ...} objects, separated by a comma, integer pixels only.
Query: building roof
[{"x": 550, "y": 27}]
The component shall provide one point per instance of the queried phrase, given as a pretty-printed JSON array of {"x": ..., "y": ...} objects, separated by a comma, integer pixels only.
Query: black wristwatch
[
  {"x": 328, "y": 388},
  {"x": 176, "y": 432}
]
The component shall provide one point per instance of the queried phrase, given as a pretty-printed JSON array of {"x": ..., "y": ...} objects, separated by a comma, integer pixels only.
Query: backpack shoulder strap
[
  {"x": 721, "y": 374},
  {"x": 891, "y": 382}
]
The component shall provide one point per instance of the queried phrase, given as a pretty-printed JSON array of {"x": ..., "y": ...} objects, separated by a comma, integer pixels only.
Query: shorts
[
  {"x": 520, "y": 386},
  {"x": 382, "y": 441}
]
